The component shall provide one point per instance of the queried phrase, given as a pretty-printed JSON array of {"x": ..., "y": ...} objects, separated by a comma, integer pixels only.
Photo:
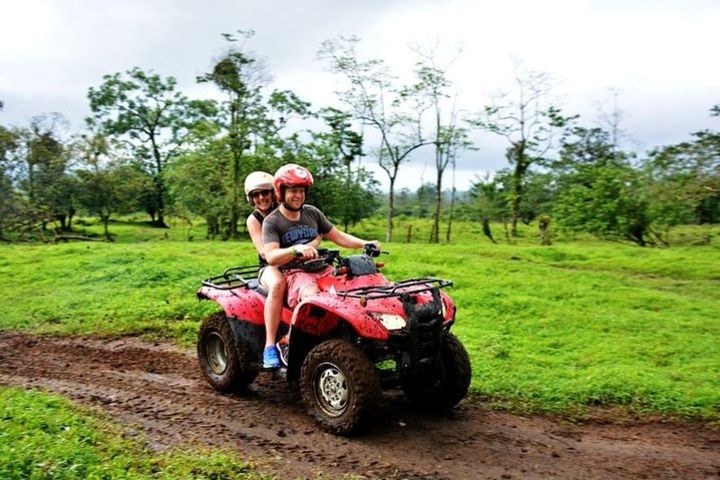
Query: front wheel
[
  {"x": 226, "y": 361},
  {"x": 339, "y": 385},
  {"x": 450, "y": 381}
]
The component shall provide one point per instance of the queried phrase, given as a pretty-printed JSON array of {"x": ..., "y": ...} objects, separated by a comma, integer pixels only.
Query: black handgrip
[{"x": 370, "y": 250}]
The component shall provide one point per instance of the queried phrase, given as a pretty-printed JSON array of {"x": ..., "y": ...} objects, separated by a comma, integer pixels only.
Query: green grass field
[
  {"x": 547, "y": 328},
  {"x": 43, "y": 436},
  {"x": 557, "y": 329}
]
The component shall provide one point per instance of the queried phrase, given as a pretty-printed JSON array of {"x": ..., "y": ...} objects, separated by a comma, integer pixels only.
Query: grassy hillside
[{"x": 548, "y": 328}]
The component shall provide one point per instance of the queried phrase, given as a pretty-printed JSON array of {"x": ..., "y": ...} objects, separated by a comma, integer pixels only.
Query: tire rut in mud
[{"x": 160, "y": 388}]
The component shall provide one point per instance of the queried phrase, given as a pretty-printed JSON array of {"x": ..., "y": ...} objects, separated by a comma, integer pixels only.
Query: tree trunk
[
  {"x": 521, "y": 166},
  {"x": 159, "y": 186},
  {"x": 71, "y": 214},
  {"x": 507, "y": 232},
  {"x": 235, "y": 205},
  {"x": 516, "y": 199},
  {"x": 105, "y": 220},
  {"x": 637, "y": 234},
  {"x": 544, "y": 226},
  {"x": 160, "y": 222},
  {"x": 435, "y": 235},
  {"x": 211, "y": 224},
  {"x": 486, "y": 229},
  {"x": 391, "y": 211},
  {"x": 450, "y": 214}
]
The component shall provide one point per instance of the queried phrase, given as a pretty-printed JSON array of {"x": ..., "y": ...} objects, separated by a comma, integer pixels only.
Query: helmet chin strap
[{"x": 292, "y": 209}]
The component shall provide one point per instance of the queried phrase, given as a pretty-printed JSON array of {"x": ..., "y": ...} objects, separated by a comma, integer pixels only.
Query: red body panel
[
  {"x": 320, "y": 314},
  {"x": 239, "y": 303}
]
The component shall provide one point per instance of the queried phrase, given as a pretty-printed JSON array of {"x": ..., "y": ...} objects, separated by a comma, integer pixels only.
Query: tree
[
  {"x": 107, "y": 185},
  {"x": 9, "y": 200},
  {"x": 528, "y": 122},
  {"x": 489, "y": 198},
  {"x": 607, "y": 201},
  {"x": 240, "y": 77},
  {"x": 610, "y": 118},
  {"x": 352, "y": 193},
  {"x": 600, "y": 192},
  {"x": 247, "y": 118},
  {"x": 347, "y": 193},
  {"x": 9, "y": 204},
  {"x": 152, "y": 117},
  {"x": 373, "y": 100},
  {"x": 688, "y": 175},
  {"x": 36, "y": 165},
  {"x": 425, "y": 200},
  {"x": 431, "y": 90},
  {"x": 35, "y": 184},
  {"x": 198, "y": 183}
]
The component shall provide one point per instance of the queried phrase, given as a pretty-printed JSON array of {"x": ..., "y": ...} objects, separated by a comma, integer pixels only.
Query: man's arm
[
  {"x": 346, "y": 240},
  {"x": 277, "y": 256},
  {"x": 316, "y": 241}
]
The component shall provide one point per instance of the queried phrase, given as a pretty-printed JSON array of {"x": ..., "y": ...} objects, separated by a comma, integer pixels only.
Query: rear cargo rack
[
  {"x": 409, "y": 286},
  {"x": 235, "y": 277}
]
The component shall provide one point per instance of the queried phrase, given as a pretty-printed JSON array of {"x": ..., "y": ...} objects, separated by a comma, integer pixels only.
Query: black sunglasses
[{"x": 257, "y": 193}]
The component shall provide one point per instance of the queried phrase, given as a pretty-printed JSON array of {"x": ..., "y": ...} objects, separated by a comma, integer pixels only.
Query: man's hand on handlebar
[
  {"x": 306, "y": 252},
  {"x": 372, "y": 249}
]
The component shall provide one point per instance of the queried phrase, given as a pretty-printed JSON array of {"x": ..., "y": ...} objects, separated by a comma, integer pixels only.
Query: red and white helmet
[
  {"x": 291, "y": 175},
  {"x": 257, "y": 181}
]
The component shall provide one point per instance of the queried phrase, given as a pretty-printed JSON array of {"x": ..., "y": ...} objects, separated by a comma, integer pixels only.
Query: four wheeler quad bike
[{"x": 361, "y": 333}]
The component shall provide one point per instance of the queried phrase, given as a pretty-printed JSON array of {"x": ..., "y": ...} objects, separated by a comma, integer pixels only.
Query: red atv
[{"x": 360, "y": 334}]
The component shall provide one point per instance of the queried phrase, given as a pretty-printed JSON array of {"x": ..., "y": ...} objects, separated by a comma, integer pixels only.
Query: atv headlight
[{"x": 390, "y": 321}]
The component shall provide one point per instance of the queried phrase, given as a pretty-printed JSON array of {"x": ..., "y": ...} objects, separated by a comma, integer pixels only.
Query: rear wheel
[
  {"x": 339, "y": 386},
  {"x": 449, "y": 382},
  {"x": 226, "y": 362}
]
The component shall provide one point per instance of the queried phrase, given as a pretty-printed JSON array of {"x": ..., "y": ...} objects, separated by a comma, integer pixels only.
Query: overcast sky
[{"x": 660, "y": 56}]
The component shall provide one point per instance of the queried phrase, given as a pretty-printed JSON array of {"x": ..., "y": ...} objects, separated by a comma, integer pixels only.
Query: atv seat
[{"x": 254, "y": 284}]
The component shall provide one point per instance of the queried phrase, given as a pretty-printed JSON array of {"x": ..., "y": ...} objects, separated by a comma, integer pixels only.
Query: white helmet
[{"x": 257, "y": 181}]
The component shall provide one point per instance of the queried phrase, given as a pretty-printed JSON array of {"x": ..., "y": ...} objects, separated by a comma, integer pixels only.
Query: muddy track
[{"x": 159, "y": 389}]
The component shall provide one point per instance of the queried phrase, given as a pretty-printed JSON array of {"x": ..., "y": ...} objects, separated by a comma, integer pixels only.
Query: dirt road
[{"x": 159, "y": 388}]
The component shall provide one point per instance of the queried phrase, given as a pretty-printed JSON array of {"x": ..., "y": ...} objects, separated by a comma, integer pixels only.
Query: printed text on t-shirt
[{"x": 301, "y": 233}]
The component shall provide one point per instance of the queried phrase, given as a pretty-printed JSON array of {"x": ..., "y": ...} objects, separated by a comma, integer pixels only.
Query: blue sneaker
[{"x": 270, "y": 357}]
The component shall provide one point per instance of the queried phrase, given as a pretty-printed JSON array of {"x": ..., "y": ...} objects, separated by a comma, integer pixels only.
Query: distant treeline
[{"x": 148, "y": 147}]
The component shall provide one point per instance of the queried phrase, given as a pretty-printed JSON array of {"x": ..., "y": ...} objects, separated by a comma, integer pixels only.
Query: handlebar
[
  {"x": 370, "y": 250},
  {"x": 327, "y": 256}
]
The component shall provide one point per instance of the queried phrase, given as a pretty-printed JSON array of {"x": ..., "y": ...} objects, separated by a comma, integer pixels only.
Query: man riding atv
[
  {"x": 351, "y": 332},
  {"x": 289, "y": 235}
]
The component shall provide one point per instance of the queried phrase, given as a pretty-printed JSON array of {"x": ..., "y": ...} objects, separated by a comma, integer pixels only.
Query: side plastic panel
[
  {"x": 321, "y": 313},
  {"x": 450, "y": 308},
  {"x": 239, "y": 303}
]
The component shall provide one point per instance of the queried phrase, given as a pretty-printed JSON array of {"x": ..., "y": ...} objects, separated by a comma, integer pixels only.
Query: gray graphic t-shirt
[{"x": 278, "y": 229}]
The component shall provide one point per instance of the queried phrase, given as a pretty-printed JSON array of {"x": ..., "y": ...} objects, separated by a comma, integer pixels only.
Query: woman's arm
[{"x": 255, "y": 230}]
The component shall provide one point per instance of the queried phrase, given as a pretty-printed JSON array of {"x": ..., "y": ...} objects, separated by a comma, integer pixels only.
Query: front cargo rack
[
  {"x": 409, "y": 287},
  {"x": 235, "y": 277}
]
